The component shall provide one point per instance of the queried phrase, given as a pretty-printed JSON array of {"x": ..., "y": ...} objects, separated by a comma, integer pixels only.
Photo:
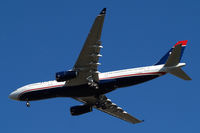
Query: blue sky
[{"x": 41, "y": 37}]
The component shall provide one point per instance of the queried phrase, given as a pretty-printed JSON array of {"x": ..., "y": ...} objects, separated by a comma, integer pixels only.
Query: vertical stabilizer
[
  {"x": 174, "y": 56},
  {"x": 172, "y": 60},
  {"x": 164, "y": 59}
]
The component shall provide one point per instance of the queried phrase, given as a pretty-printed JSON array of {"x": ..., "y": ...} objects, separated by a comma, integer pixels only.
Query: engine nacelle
[
  {"x": 66, "y": 75},
  {"x": 81, "y": 109}
]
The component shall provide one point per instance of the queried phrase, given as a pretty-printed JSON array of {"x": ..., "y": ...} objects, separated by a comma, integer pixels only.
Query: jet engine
[
  {"x": 81, "y": 109},
  {"x": 66, "y": 75}
]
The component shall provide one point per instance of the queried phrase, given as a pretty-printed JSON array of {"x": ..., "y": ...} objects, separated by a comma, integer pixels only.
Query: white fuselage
[
  {"x": 102, "y": 76},
  {"x": 148, "y": 70}
]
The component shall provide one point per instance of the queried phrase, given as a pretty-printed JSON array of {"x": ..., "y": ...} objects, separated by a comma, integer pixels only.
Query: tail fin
[
  {"x": 164, "y": 59},
  {"x": 172, "y": 59}
]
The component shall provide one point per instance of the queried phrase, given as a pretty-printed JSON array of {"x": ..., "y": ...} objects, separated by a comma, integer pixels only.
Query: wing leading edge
[
  {"x": 88, "y": 60},
  {"x": 109, "y": 108}
]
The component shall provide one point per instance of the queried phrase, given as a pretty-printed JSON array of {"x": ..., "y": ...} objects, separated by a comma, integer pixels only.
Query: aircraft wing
[
  {"x": 88, "y": 59},
  {"x": 109, "y": 108}
]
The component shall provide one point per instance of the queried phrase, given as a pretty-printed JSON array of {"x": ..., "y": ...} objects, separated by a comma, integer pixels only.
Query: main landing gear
[{"x": 91, "y": 83}]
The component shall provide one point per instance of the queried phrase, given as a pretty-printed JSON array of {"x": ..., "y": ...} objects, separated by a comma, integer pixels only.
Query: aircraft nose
[{"x": 13, "y": 95}]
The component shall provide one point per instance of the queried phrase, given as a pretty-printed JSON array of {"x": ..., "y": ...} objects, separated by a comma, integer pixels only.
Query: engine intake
[
  {"x": 66, "y": 75},
  {"x": 81, "y": 109}
]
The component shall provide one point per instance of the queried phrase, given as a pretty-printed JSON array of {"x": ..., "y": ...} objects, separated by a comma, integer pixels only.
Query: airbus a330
[{"x": 86, "y": 84}]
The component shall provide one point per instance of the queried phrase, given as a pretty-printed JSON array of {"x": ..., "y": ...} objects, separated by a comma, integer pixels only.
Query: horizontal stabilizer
[{"x": 178, "y": 72}]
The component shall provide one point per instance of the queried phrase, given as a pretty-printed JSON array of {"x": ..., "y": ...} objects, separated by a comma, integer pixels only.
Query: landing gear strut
[{"x": 27, "y": 104}]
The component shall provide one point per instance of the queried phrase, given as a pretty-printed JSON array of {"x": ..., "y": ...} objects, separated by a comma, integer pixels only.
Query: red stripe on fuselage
[{"x": 42, "y": 88}]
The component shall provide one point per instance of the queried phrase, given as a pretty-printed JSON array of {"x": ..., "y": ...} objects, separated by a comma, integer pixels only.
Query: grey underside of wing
[
  {"x": 88, "y": 59},
  {"x": 111, "y": 109}
]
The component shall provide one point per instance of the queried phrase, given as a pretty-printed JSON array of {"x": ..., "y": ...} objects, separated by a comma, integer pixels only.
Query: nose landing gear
[{"x": 27, "y": 104}]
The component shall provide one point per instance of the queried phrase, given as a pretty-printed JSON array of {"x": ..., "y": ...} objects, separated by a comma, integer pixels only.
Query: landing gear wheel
[{"x": 27, "y": 104}]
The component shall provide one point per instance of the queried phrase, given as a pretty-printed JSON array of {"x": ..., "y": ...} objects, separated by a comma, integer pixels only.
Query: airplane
[{"x": 86, "y": 84}]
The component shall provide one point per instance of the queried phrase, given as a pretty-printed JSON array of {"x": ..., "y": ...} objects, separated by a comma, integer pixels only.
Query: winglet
[{"x": 103, "y": 11}]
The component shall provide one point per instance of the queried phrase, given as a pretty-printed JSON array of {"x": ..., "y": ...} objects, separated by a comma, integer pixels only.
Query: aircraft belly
[
  {"x": 37, "y": 95},
  {"x": 75, "y": 91},
  {"x": 105, "y": 86}
]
